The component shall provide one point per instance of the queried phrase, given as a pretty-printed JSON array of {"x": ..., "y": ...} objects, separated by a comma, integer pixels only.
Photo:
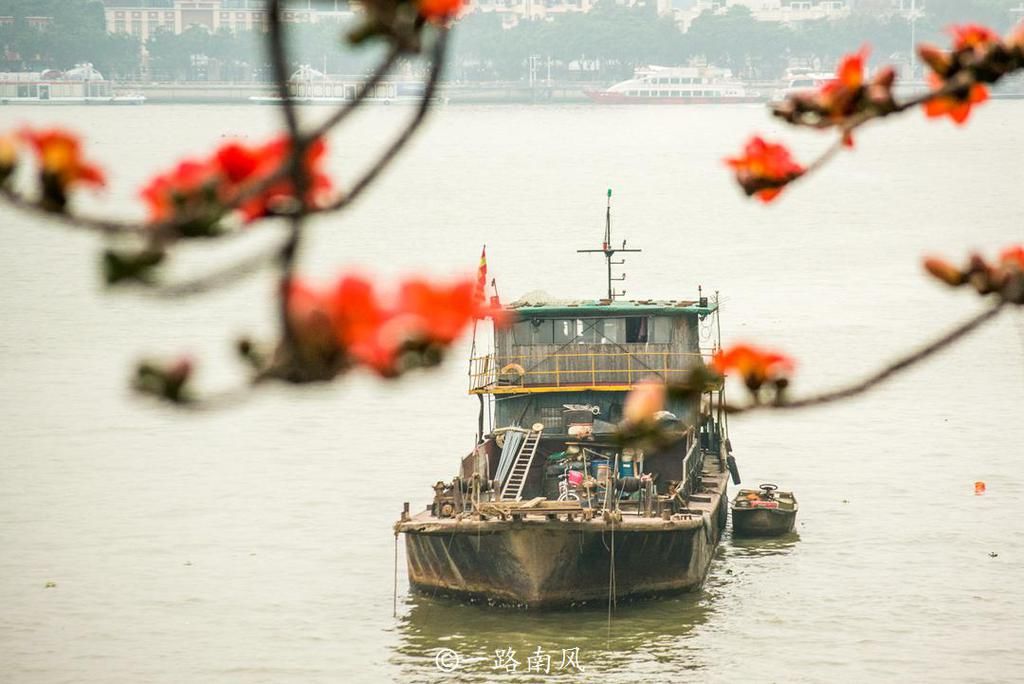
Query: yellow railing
[{"x": 608, "y": 371}]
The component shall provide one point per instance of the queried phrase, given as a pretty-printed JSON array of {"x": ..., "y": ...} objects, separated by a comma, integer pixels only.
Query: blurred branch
[
  {"x": 365, "y": 91},
  {"x": 234, "y": 272},
  {"x": 955, "y": 86},
  {"x": 885, "y": 373},
  {"x": 279, "y": 61},
  {"x": 367, "y": 179},
  {"x": 99, "y": 225}
]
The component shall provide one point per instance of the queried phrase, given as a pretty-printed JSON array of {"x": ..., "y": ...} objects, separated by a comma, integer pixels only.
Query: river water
[{"x": 254, "y": 544}]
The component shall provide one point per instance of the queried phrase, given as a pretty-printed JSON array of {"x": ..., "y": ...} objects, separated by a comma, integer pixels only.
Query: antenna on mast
[{"x": 609, "y": 252}]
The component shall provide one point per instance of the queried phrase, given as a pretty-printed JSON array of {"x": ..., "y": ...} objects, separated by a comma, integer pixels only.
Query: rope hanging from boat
[
  {"x": 395, "y": 597},
  {"x": 611, "y": 582}
]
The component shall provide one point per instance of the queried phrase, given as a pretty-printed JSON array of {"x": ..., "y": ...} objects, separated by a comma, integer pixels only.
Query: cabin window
[
  {"x": 565, "y": 330},
  {"x": 611, "y": 330},
  {"x": 636, "y": 329},
  {"x": 661, "y": 331},
  {"x": 644, "y": 329},
  {"x": 626, "y": 330},
  {"x": 588, "y": 331},
  {"x": 533, "y": 331}
]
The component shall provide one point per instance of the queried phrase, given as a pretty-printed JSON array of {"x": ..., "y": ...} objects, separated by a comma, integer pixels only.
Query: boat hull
[
  {"x": 605, "y": 97},
  {"x": 540, "y": 564},
  {"x": 121, "y": 100},
  {"x": 762, "y": 522}
]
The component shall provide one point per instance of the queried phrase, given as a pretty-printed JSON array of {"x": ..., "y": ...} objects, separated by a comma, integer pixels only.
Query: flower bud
[
  {"x": 8, "y": 157},
  {"x": 944, "y": 271},
  {"x": 938, "y": 60},
  {"x": 646, "y": 399}
]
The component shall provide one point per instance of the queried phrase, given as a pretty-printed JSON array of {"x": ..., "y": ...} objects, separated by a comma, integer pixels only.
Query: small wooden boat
[{"x": 763, "y": 513}]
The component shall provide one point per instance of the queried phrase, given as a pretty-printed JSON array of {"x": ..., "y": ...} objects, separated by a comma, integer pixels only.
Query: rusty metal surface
[{"x": 539, "y": 563}]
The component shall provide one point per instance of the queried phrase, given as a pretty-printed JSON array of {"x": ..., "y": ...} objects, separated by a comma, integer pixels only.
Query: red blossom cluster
[
  {"x": 201, "y": 192},
  {"x": 60, "y": 161},
  {"x": 1004, "y": 277},
  {"x": 756, "y": 366},
  {"x": 764, "y": 169},
  {"x": 978, "y": 56},
  {"x": 402, "y": 22},
  {"x": 836, "y": 101},
  {"x": 439, "y": 11},
  {"x": 352, "y": 324}
]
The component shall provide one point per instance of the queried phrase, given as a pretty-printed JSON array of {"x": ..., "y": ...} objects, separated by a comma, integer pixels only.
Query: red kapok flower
[
  {"x": 256, "y": 165},
  {"x": 841, "y": 97},
  {"x": 188, "y": 189},
  {"x": 439, "y": 10},
  {"x": 352, "y": 324},
  {"x": 203, "y": 190},
  {"x": 60, "y": 156},
  {"x": 755, "y": 365},
  {"x": 361, "y": 325},
  {"x": 440, "y": 313},
  {"x": 764, "y": 169},
  {"x": 972, "y": 37},
  {"x": 850, "y": 72},
  {"x": 956, "y": 107},
  {"x": 1013, "y": 257},
  {"x": 61, "y": 165}
]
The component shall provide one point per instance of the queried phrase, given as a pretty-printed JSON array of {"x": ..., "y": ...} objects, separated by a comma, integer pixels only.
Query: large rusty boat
[{"x": 553, "y": 508}]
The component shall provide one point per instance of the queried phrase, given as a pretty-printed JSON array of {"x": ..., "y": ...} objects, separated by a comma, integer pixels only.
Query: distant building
[
  {"x": 34, "y": 22},
  {"x": 781, "y": 11},
  {"x": 514, "y": 11},
  {"x": 142, "y": 18}
]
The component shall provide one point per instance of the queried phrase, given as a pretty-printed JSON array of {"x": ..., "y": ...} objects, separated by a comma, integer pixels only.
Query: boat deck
[{"x": 500, "y": 516}]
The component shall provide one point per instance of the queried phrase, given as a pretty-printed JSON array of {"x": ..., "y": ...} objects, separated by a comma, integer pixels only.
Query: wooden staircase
[{"x": 512, "y": 490}]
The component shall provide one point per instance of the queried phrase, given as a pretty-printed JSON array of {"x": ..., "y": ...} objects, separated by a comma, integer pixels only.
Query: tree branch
[
  {"x": 367, "y": 179},
  {"x": 885, "y": 373},
  {"x": 956, "y": 85},
  {"x": 279, "y": 61},
  {"x": 218, "y": 278},
  {"x": 367, "y": 88},
  {"x": 98, "y": 225}
]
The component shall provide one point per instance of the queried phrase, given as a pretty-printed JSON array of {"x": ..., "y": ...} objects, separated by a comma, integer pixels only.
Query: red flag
[{"x": 481, "y": 276}]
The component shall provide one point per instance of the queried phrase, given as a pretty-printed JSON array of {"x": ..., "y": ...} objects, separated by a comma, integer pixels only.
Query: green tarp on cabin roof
[{"x": 543, "y": 306}]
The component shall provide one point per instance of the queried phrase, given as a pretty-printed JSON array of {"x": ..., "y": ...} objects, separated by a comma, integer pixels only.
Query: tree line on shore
[{"x": 604, "y": 44}]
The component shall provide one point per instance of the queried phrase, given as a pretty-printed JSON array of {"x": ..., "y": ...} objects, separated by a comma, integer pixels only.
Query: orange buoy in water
[{"x": 979, "y": 488}]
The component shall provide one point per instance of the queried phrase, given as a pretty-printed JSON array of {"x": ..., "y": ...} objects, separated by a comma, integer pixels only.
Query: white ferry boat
[
  {"x": 309, "y": 86},
  {"x": 78, "y": 86},
  {"x": 802, "y": 80},
  {"x": 678, "y": 85}
]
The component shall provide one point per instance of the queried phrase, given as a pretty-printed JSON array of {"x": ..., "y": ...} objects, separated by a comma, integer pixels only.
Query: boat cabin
[{"x": 559, "y": 377}]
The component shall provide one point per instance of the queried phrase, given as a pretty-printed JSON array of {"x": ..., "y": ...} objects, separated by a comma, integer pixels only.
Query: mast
[{"x": 609, "y": 251}]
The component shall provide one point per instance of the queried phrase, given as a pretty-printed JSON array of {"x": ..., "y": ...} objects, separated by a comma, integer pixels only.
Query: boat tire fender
[
  {"x": 706, "y": 524},
  {"x": 730, "y": 461},
  {"x": 628, "y": 484}
]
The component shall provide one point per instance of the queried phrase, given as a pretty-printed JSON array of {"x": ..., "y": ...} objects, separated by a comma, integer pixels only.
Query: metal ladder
[{"x": 513, "y": 487}]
